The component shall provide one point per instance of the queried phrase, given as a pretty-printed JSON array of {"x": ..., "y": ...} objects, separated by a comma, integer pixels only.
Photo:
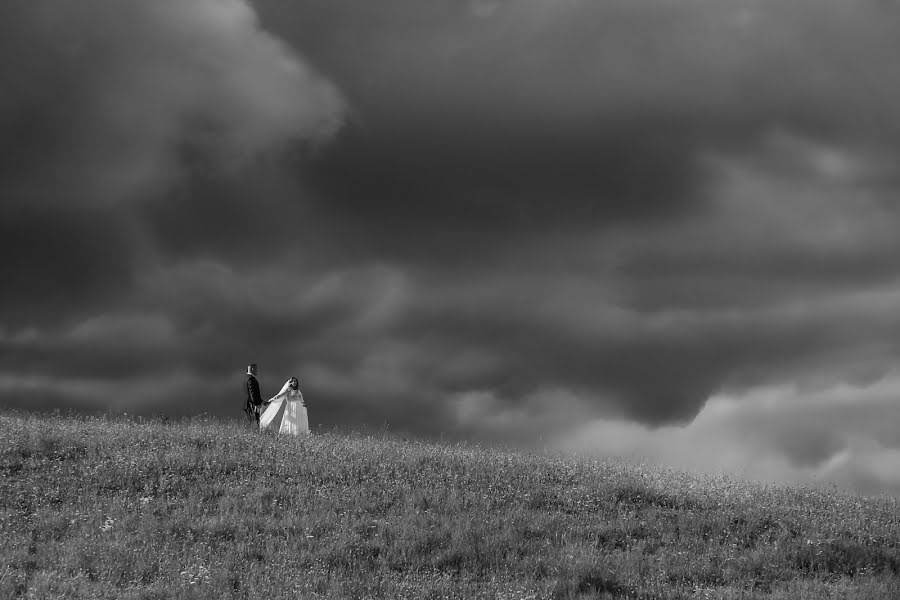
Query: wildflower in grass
[{"x": 195, "y": 575}]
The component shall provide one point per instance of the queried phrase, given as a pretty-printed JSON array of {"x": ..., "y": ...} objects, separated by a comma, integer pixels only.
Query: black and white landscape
[{"x": 649, "y": 228}]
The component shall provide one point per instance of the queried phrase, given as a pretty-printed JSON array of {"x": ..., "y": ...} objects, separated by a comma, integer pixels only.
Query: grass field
[{"x": 117, "y": 508}]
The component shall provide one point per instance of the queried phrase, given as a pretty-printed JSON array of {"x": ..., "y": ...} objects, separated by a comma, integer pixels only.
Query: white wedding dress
[{"x": 286, "y": 412}]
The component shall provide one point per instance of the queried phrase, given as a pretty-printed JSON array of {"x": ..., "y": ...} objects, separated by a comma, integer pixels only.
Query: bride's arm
[{"x": 281, "y": 394}]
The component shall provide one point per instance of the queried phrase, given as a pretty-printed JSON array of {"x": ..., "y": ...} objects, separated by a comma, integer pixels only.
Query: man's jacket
[{"x": 253, "y": 395}]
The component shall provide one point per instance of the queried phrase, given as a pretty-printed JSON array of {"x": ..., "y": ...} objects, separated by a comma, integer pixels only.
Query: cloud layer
[
  {"x": 103, "y": 98},
  {"x": 109, "y": 103},
  {"x": 844, "y": 435}
]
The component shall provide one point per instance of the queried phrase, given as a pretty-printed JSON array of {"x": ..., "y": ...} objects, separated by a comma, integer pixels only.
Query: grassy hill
[{"x": 106, "y": 508}]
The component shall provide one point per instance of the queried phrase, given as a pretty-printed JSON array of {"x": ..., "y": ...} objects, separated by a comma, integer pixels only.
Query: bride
[{"x": 286, "y": 411}]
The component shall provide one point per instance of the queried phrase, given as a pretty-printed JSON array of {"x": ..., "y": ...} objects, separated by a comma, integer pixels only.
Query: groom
[{"x": 254, "y": 398}]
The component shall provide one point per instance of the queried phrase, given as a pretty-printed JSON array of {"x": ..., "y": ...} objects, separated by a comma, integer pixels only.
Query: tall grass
[{"x": 117, "y": 508}]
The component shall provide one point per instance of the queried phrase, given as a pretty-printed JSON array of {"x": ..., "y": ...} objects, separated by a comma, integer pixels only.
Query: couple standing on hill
[{"x": 285, "y": 412}]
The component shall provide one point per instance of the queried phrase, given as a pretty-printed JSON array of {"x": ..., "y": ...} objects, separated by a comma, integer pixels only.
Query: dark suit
[{"x": 254, "y": 398}]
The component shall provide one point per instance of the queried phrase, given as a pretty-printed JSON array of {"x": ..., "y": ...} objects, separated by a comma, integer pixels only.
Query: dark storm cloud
[
  {"x": 111, "y": 112},
  {"x": 108, "y": 104},
  {"x": 564, "y": 117},
  {"x": 215, "y": 320},
  {"x": 536, "y": 213},
  {"x": 657, "y": 365},
  {"x": 455, "y": 195},
  {"x": 100, "y": 98},
  {"x": 54, "y": 262}
]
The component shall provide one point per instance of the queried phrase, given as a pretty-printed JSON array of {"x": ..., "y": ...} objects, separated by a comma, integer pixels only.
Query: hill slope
[{"x": 101, "y": 508}]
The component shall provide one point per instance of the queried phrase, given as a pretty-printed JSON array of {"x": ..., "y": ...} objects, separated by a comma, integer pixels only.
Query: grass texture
[{"x": 99, "y": 507}]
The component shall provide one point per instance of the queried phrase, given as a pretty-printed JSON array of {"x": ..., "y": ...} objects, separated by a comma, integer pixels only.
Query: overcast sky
[{"x": 644, "y": 227}]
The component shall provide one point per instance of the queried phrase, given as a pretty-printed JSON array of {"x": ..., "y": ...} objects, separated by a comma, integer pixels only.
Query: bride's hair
[{"x": 294, "y": 383}]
